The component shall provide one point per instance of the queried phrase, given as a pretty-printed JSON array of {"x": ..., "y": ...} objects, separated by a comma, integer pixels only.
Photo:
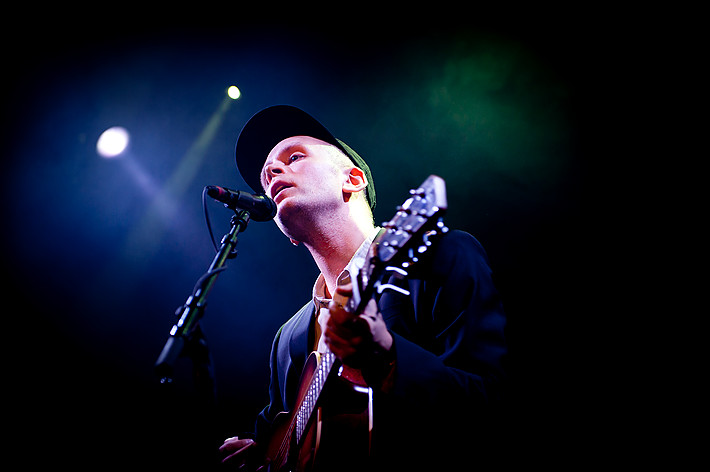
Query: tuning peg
[
  {"x": 413, "y": 258},
  {"x": 442, "y": 227},
  {"x": 400, "y": 274},
  {"x": 397, "y": 270},
  {"x": 382, "y": 287},
  {"x": 425, "y": 238}
]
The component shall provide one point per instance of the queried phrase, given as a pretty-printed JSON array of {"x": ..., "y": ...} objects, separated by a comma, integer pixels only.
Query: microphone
[{"x": 260, "y": 207}]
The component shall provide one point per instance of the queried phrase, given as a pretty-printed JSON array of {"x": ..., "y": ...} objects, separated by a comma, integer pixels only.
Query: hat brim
[{"x": 265, "y": 130}]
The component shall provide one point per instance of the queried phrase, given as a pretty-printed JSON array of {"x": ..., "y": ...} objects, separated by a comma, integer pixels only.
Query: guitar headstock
[
  {"x": 408, "y": 232},
  {"x": 407, "y": 235}
]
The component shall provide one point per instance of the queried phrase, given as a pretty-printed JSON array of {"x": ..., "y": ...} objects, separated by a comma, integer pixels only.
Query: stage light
[
  {"x": 234, "y": 92},
  {"x": 112, "y": 142},
  {"x": 163, "y": 209}
]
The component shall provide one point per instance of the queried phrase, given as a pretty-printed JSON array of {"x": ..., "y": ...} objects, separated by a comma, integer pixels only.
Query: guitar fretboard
[{"x": 311, "y": 398}]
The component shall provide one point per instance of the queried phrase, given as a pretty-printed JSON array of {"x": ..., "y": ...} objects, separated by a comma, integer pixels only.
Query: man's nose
[{"x": 273, "y": 169}]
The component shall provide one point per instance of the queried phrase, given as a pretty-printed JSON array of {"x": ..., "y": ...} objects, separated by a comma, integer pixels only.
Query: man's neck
[{"x": 333, "y": 247}]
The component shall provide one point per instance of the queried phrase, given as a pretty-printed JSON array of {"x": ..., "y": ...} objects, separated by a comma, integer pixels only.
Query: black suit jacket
[{"x": 449, "y": 348}]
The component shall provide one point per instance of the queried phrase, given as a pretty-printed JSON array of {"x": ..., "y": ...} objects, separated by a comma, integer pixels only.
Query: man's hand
[
  {"x": 237, "y": 451},
  {"x": 355, "y": 339}
]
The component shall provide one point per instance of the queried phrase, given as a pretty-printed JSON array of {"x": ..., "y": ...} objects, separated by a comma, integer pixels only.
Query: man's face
[{"x": 303, "y": 175}]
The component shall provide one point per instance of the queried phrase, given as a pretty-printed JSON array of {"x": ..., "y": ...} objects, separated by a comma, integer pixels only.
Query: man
[{"x": 431, "y": 359}]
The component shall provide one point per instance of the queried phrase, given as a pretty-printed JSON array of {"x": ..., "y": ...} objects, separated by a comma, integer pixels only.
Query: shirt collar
[{"x": 356, "y": 263}]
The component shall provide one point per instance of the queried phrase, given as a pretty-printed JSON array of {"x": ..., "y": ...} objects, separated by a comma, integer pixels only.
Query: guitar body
[
  {"x": 345, "y": 418},
  {"x": 336, "y": 436},
  {"x": 283, "y": 452}
]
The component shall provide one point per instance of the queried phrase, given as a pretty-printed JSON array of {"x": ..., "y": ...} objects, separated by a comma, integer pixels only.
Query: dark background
[{"x": 98, "y": 253}]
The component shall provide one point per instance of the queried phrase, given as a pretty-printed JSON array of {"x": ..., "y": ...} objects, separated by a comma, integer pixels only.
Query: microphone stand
[{"x": 186, "y": 337}]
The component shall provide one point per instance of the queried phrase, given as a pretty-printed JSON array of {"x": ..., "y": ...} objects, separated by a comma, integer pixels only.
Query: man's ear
[{"x": 355, "y": 181}]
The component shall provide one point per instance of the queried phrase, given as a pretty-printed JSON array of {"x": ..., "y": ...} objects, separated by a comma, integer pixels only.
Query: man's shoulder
[
  {"x": 456, "y": 244},
  {"x": 300, "y": 317},
  {"x": 460, "y": 240}
]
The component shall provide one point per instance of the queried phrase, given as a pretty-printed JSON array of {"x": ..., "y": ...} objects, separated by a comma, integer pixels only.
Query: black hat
[{"x": 272, "y": 125}]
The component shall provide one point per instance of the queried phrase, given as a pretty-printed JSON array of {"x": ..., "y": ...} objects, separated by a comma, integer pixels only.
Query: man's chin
[{"x": 287, "y": 217}]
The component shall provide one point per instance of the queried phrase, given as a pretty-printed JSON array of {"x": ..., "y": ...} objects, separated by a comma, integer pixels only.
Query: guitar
[{"x": 299, "y": 434}]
